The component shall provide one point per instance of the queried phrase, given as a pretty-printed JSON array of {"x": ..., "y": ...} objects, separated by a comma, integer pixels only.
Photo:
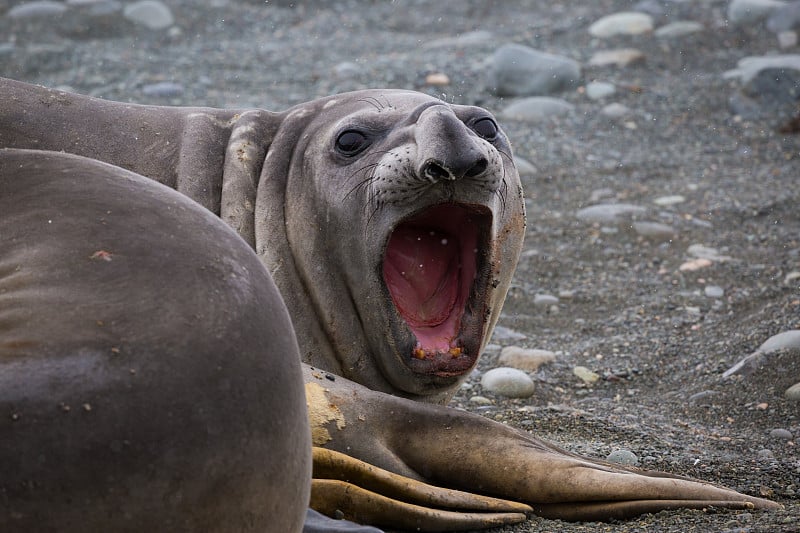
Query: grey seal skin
[
  {"x": 149, "y": 378},
  {"x": 391, "y": 223}
]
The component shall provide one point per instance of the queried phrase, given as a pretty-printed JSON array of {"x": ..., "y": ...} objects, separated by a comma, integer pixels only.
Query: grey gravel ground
[{"x": 653, "y": 332}]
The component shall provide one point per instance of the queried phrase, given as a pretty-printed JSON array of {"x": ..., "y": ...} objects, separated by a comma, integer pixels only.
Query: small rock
[
  {"x": 706, "y": 252},
  {"x": 36, "y": 10},
  {"x": 793, "y": 393},
  {"x": 608, "y": 213},
  {"x": 775, "y": 88},
  {"x": 625, "y": 23},
  {"x": 679, "y": 28},
  {"x": 508, "y": 382},
  {"x": 784, "y": 18},
  {"x": 470, "y": 38},
  {"x": 702, "y": 395},
  {"x": 536, "y": 108},
  {"x": 782, "y": 341},
  {"x": 695, "y": 264},
  {"x": 543, "y": 300},
  {"x": 502, "y": 333},
  {"x": 150, "y": 14},
  {"x": 480, "y": 400},
  {"x": 163, "y": 89},
  {"x": 765, "y": 454},
  {"x": 623, "y": 457},
  {"x": 346, "y": 70},
  {"x": 615, "y": 110},
  {"x": 597, "y": 90},
  {"x": 781, "y": 434},
  {"x": 787, "y": 39},
  {"x": 654, "y": 230},
  {"x": 747, "y": 12},
  {"x": 788, "y": 340},
  {"x": 620, "y": 58},
  {"x": 747, "y": 68},
  {"x": 665, "y": 201},
  {"x": 517, "y": 70},
  {"x": 524, "y": 358},
  {"x": 437, "y": 79},
  {"x": 714, "y": 291},
  {"x": 525, "y": 167},
  {"x": 586, "y": 375},
  {"x": 657, "y": 9}
]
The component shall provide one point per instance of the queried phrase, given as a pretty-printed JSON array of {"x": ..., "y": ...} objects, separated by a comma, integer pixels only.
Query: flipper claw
[{"x": 367, "y": 494}]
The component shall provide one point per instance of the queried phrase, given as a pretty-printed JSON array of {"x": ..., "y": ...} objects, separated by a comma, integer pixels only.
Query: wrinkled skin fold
[{"x": 337, "y": 201}]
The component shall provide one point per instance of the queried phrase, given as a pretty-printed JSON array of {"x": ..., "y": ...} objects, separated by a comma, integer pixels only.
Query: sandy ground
[{"x": 626, "y": 310}]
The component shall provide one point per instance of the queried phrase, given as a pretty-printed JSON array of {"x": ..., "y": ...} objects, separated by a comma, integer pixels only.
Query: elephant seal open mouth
[{"x": 435, "y": 270}]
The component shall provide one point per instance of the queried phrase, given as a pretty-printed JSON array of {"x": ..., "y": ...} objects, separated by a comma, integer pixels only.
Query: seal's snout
[
  {"x": 435, "y": 170},
  {"x": 448, "y": 149}
]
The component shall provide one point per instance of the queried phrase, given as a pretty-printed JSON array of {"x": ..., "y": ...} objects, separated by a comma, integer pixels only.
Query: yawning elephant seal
[
  {"x": 391, "y": 223},
  {"x": 392, "y": 219}
]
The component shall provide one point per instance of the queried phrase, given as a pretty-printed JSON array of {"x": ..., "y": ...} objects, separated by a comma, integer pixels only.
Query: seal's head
[{"x": 404, "y": 219}]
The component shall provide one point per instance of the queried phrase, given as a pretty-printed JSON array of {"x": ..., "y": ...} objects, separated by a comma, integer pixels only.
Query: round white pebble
[
  {"x": 508, "y": 382},
  {"x": 623, "y": 457}
]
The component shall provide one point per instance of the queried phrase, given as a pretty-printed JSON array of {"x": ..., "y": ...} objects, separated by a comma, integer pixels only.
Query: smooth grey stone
[
  {"x": 774, "y": 86},
  {"x": 517, "y": 70},
  {"x": 714, "y": 291},
  {"x": 615, "y": 110},
  {"x": 525, "y": 167},
  {"x": 608, "y": 213},
  {"x": 36, "y": 10},
  {"x": 748, "y": 67},
  {"x": 782, "y": 434},
  {"x": 536, "y": 108},
  {"x": 597, "y": 90},
  {"x": 793, "y": 393},
  {"x": 678, "y": 29},
  {"x": 150, "y": 14},
  {"x": 508, "y": 382},
  {"x": 623, "y": 457},
  {"x": 743, "y": 12},
  {"x": 624, "y": 23},
  {"x": 163, "y": 89},
  {"x": 784, "y": 18},
  {"x": 654, "y": 230}
]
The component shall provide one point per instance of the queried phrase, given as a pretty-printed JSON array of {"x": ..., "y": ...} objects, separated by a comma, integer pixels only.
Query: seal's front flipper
[
  {"x": 367, "y": 494},
  {"x": 461, "y": 450}
]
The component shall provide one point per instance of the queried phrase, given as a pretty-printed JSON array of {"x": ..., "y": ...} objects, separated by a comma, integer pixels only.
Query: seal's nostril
[
  {"x": 478, "y": 168},
  {"x": 434, "y": 171}
]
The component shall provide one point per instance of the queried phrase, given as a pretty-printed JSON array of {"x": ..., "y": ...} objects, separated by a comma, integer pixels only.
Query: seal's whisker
[
  {"x": 364, "y": 169},
  {"x": 374, "y": 102}
]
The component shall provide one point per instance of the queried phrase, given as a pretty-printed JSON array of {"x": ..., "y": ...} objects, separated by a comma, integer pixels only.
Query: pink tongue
[{"x": 421, "y": 271}]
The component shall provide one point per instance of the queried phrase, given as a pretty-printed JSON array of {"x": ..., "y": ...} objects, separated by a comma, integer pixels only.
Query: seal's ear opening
[{"x": 432, "y": 269}]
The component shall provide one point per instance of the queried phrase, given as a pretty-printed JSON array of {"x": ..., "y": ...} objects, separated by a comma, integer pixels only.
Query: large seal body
[
  {"x": 391, "y": 220},
  {"x": 149, "y": 375}
]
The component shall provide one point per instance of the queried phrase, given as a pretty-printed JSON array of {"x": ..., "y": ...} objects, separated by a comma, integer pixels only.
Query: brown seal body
[{"x": 149, "y": 377}]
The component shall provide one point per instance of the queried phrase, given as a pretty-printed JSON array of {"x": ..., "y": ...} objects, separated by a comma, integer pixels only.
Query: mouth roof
[{"x": 430, "y": 268}]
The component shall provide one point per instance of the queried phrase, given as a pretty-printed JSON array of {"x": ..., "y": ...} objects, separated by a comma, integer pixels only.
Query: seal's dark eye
[
  {"x": 486, "y": 128},
  {"x": 351, "y": 142}
]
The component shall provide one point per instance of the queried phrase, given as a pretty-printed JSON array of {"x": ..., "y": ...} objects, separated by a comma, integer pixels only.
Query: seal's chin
[{"x": 435, "y": 270}]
